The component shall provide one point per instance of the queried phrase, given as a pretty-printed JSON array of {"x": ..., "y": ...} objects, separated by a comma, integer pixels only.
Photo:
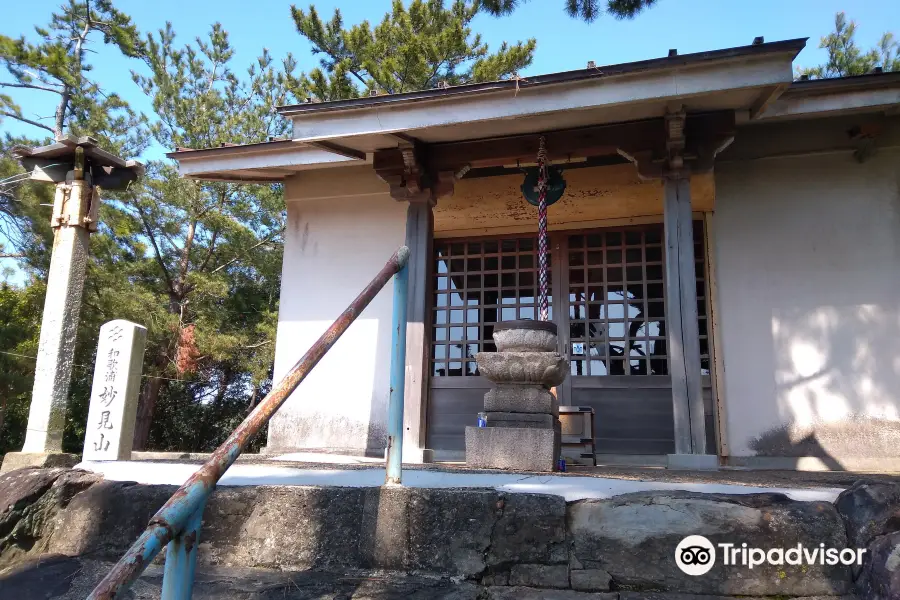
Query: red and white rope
[{"x": 543, "y": 252}]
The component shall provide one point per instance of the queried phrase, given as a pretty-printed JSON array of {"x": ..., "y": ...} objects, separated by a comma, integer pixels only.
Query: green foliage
[
  {"x": 413, "y": 48},
  {"x": 23, "y": 231},
  {"x": 172, "y": 254},
  {"x": 213, "y": 250},
  {"x": 57, "y": 64},
  {"x": 586, "y": 10},
  {"x": 845, "y": 58},
  {"x": 20, "y": 315}
]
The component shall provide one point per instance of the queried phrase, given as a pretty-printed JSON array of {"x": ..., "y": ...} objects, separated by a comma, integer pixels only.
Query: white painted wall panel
[
  {"x": 808, "y": 264},
  {"x": 333, "y": 248}
]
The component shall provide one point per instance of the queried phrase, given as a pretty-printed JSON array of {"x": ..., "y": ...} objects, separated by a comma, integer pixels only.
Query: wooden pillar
[
  {"x": 681, "y": 319},
  {"x": 419, "y": 239}
]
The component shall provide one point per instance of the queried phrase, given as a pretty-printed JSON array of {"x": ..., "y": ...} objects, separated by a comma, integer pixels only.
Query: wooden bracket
[
  {"x": 864, "y": 137},
  {"x": 675, "y": 140},
  {"x": 405, "y": 169},
  {"x": 691, "y": 145}
]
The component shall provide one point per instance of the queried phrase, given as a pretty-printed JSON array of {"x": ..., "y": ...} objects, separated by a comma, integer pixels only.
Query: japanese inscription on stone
[{"x": 114, "y": 394}]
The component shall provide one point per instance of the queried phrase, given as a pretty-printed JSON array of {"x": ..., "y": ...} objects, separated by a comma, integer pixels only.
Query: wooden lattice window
[
  {"x": 617, "y": 313},
  {"x": 478, "y": 283}
]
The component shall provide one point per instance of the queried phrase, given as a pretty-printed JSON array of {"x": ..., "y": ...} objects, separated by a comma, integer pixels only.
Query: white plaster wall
[
  {"x": 333, "y": 247},
  {"x": 808, "y": 265}
]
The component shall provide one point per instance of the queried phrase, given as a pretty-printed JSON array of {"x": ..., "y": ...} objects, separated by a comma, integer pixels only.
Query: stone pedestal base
[
  {"x": 693, "y": 462},
  {"x": 20, "y": 460},
  {"x": 517, "y": 449}
]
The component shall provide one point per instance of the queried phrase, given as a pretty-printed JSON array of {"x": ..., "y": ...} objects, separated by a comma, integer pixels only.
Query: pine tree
[
  {"x": 213, "y": 251},
  {"x": 586, "y": 10},
  {"x": 845, "y": 58},
  {"x": 58, "y": 64},
  {"x": 417, "y": 47}
]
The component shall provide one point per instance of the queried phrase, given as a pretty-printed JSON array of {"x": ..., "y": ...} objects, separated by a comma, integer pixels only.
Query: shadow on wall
[
  {"x": 837, "y": 371},
  {"x": 808, "y": 250}
]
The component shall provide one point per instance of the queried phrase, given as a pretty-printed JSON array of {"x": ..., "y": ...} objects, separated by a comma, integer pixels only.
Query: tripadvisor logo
[{"x": 696, "y": 555}]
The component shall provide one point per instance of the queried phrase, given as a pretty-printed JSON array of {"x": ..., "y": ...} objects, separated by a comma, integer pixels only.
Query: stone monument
[
  {"x": 114, "y": 393},
  {"x": 522, "y": 429}
]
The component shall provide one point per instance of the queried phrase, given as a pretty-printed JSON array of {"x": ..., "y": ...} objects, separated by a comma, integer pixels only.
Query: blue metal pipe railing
[
  {"x": 398, "y": 379},
  {"x": 178, "y": 522}
]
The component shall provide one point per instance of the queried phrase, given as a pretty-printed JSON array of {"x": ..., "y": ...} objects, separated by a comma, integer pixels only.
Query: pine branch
[
  {"x": 30, "y": 86},
  {"x": 253, "y": 247},
  {"x": 159, "y": 258},
  {"x": 24, "y": 120}
]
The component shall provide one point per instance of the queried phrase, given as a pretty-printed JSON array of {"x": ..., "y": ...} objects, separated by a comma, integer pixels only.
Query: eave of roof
[
  {"x": 266, "y": 146},
  {"x": 844, "y": 84},
  {"x": 793, "y": 46}
]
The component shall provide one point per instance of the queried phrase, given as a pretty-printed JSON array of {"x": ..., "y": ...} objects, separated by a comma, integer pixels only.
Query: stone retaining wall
[{"x": 624, "y": 544}]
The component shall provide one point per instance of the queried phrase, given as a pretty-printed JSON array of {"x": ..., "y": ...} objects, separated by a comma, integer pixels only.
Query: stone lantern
[{"x": 79, "y": 168}]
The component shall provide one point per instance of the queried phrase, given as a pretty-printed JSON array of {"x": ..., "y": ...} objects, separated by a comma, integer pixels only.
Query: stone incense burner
[{"x": 522, "y": 431}]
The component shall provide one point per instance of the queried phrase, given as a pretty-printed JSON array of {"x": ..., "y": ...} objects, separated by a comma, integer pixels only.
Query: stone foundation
[
  {"x": 490, "y": 544},
  {"x": 20, "y": 460}
]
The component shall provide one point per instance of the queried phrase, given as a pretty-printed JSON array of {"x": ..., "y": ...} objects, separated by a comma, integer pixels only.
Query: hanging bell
[{"x": 556, "y": 185}]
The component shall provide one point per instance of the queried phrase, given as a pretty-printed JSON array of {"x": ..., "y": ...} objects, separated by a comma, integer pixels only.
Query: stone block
[
  {"x": 531, "y": 528},
  {"x": 693, "y": 462},
  {"x": 510, "y": 448},
  {"x": 106, "y": 518},
  {"x": 542, "y": 576},
  {"x": 384, "y": 534},
  {"x": 880, "y": 577},
  {"x": 450, "y": 530},
  {"x": 296, "y": 528},
  {"x": 521, "y": 399},
  {"x": 44, "y": 460},
  {"x": 870, "y": 509},
  {"x": 590, "y": 580},
  {"x": 514, "y": 419},
  {"x": 650, "y": 525},
  {"x": 527, "y": 593},
  {"x": 30, "y": 500}
]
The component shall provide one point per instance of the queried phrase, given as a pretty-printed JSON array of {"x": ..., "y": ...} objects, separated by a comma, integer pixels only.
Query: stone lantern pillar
[
  {"x": 79, "y": 168},
  {"x": 522, "y": 429}
]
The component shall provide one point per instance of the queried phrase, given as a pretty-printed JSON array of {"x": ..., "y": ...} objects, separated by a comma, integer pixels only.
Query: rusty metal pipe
[{"x": 169, "y": 522}]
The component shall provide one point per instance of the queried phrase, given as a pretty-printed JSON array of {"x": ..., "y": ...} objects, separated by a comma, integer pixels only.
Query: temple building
[{"x": 725, "y": 260}]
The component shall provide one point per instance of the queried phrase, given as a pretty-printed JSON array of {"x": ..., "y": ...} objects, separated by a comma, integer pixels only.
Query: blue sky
[{"x": 563, "y": 43}]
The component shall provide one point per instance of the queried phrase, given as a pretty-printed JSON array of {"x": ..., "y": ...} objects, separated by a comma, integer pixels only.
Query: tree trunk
[{"x": 146, "y": 408}]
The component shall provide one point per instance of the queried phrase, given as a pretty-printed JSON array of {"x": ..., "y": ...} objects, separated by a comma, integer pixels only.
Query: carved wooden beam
[
  {"x": 702, "y": 133},
  {"x": 407, "y": 171},
  {"x": 691, "y": 143}
]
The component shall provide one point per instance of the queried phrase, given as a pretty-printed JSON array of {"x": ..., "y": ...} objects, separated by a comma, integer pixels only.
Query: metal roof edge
[
  {"x": 843, "y": 84},
  {"x": 793, "y": 46},
  {"x": 189, "y": 153}
]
